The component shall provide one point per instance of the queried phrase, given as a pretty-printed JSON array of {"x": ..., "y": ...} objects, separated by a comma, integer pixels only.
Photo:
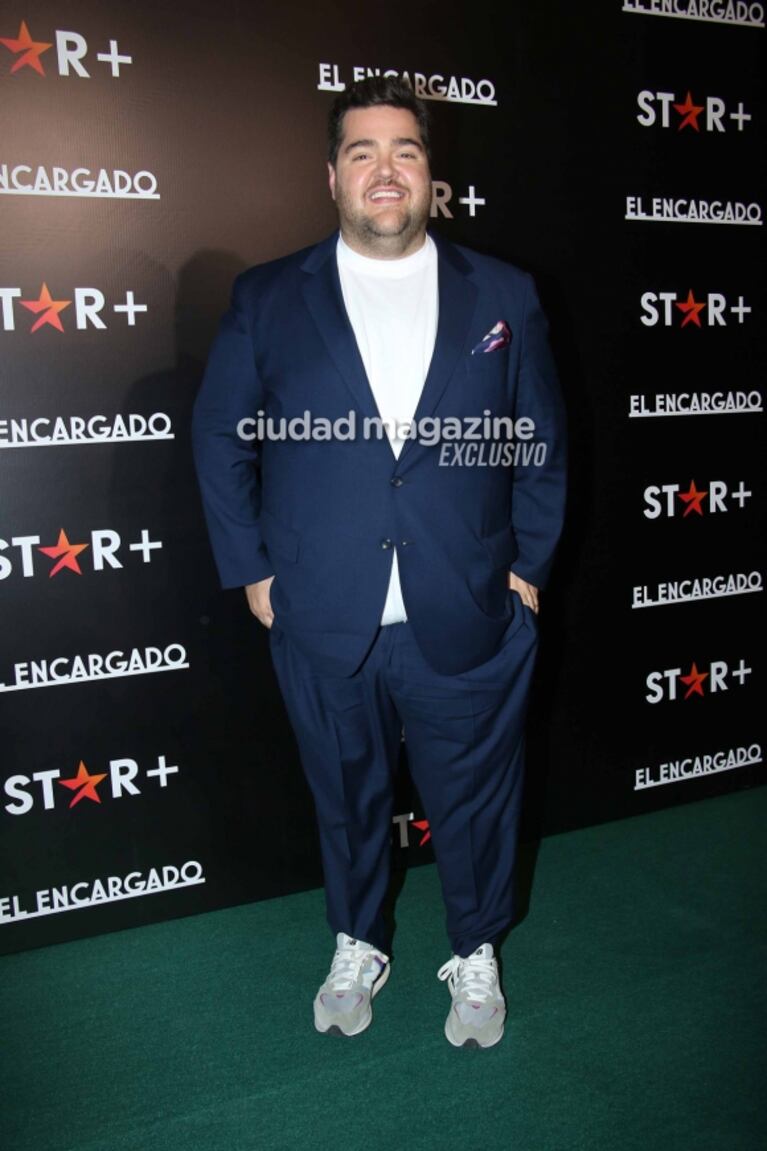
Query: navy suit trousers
[{"x": 464, "y": 739}]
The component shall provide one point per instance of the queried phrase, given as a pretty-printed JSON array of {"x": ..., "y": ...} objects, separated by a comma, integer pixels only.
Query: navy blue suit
[{"x": 323, "y": 517}]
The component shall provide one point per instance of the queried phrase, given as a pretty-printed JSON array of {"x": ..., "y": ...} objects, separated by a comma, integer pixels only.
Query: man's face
[{"x": 381, "y": 182}]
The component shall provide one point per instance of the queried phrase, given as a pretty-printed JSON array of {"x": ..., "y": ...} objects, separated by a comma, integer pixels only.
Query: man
[{"x": 399, "y": 584}]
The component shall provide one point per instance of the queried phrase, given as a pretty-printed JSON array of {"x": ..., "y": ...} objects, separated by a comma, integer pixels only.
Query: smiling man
[
  {"x": 397, "y": 592},
  {"x": 380, "y": 181}
]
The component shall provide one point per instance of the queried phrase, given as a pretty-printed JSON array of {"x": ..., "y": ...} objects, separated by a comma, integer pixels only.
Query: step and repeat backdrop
[{"x": 151, "y": 152}]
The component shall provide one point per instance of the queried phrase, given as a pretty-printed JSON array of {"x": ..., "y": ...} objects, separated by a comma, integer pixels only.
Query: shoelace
[
  {"x": 473, "y": 977},
  {"x": 345, "y": 968}
]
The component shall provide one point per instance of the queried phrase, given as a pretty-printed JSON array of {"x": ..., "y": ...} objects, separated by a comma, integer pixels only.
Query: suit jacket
[{"x": 323, "y": 516}]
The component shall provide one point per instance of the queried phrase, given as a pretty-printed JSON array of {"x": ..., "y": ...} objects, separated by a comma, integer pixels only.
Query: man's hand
[
  {"x": 259, "y": 600},
  {"x": 528, "y": 592}
]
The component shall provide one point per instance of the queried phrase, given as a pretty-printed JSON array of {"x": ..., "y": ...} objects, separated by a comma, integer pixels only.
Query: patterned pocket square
[{"x": 498, "y": 337}]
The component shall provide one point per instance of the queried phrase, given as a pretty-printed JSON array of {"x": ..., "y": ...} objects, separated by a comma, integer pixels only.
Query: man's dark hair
[{"x": 368, "y": 93}]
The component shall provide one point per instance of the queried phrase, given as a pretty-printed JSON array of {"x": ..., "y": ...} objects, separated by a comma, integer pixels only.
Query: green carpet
[{"x": 635, "y": 987}]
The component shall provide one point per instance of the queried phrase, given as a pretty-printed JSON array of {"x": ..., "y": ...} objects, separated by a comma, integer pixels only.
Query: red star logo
[
  {"x": 86, "y": 783},
  {"x": 31, "y": 50},
  {"x": 66, "y": 554},
  {"x": 689, "y": 113},
  {"x": 693, "y": 499},
  {"x": 49, "y": 309},
  {"x": 691, "y": 310},
  {"x": 694, "y": 681},
  {"x": 423, "y": 825}
]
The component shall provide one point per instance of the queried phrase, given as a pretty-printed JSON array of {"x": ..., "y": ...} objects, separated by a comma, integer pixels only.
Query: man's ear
[{"x": 332, "y": 180}]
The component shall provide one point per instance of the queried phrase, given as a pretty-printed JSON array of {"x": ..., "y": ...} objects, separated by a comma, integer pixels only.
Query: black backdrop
[{"x": 576, "y": 130}]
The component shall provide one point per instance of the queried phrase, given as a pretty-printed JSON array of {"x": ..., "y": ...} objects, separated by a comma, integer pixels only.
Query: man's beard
[{"x": 370, "y": 229}]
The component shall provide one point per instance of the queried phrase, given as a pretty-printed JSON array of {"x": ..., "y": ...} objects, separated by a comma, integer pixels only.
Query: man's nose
[{"x": 385, "y": 167}]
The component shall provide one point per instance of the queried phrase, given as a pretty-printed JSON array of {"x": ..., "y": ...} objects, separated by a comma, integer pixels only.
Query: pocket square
[{"x": 498, "y": 337}]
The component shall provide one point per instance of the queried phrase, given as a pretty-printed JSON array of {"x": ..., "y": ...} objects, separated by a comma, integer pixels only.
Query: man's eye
[{"x": 360, "y": 156}]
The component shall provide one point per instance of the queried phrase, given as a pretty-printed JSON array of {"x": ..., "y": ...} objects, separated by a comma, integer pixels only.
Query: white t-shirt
[{"x": 392, "y": 306}]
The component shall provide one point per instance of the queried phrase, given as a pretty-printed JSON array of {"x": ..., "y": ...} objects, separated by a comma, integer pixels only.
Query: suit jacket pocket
[{"x": 488, "y": 365}]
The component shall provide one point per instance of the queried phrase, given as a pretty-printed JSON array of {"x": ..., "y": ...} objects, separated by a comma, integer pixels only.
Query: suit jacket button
[
  {"x": 385, "y": 544},
  {"x": 396, "y": 481}
]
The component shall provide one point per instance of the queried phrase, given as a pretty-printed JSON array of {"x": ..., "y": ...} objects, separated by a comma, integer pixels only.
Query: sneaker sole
[
  {"x": 471, "y": 1041},
  {"x": 334, "y": 1029}
]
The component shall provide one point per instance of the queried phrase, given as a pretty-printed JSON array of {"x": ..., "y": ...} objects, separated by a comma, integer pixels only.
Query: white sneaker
[
  {"x": 357, "y": 973},
  {"x": 478, "y": 1011}
]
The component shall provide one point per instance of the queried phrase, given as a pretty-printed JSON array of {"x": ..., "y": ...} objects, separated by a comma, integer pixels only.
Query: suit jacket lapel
[
  {"x": 457, "y": 303},
  {"x": 324, "y": 299}
]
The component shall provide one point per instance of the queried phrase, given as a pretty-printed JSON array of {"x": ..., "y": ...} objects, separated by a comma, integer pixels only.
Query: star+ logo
[
  {"x": 668, "y": 310},
  {"x": 103, "y": 548},
  {"x": 26, "y": 50},
  {"x": 675, "y": 683},
  {"x": 89, "y": 303},
  {"x": 71, "y": 51},
  {"x": 26, "y": 792},
  {"x": 84, "y": 785},
  {"x": 661, "y": 499},
  {"x": 668, "y": 110},
  {"x": 65, "y": 555}
]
